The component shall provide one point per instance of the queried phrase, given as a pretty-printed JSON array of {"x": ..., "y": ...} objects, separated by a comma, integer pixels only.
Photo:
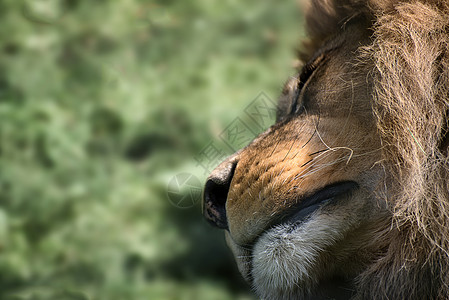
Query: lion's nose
[{"x": 216, "y": 192}]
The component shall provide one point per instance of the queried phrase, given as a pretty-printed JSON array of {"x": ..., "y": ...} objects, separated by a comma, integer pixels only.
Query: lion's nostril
[{"x": 216, "y": 193}]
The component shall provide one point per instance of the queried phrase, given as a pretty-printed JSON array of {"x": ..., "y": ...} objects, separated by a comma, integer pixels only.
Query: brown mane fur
[{"x": 410, "y": 55}]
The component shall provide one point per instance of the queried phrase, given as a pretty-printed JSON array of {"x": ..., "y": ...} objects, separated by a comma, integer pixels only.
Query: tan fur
[{"x": 376, "y": 114}]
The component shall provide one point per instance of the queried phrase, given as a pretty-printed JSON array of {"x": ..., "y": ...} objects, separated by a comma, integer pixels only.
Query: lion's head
[{"x": 347, "y": 195}]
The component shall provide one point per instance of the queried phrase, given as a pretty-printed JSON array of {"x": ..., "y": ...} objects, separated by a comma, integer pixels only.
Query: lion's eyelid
[{"x": 306, "y": 73}]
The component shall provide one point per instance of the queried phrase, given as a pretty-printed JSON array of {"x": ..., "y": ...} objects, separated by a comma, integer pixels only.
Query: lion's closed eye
[{"x": 292, "y": 101}]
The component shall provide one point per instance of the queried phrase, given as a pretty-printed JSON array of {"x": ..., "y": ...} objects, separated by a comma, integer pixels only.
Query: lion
[{"x": 346, "y": 196}]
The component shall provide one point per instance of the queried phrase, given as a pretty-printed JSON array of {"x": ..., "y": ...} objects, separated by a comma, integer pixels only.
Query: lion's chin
[
  {"x": 294, "y": 260},
  {"x": 286, "y": 259}
]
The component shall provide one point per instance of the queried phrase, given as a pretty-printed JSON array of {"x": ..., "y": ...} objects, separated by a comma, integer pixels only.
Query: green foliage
[{"x": 101, "y": 103}]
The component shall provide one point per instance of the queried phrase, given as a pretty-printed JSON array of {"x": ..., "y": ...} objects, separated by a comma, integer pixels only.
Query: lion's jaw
[{"x": 315, "y": 257}]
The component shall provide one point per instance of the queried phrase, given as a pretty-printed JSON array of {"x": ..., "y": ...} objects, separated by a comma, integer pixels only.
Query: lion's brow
[{"x": 328, "y": 45}]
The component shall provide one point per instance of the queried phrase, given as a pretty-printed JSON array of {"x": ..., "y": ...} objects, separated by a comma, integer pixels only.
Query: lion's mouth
[
  {"x": 308, "y": 205},
  {"x": 296, "y": 215}
]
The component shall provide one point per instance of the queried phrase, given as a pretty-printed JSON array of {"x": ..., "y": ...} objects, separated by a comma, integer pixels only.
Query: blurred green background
[{"x": 102, "y": 103}]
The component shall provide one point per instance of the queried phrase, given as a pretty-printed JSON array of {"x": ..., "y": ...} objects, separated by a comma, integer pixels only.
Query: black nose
[{"x": 216, "y": 192}]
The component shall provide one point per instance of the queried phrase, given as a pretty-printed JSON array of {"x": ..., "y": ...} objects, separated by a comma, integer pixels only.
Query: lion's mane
[{"x": 409, "y": 52}]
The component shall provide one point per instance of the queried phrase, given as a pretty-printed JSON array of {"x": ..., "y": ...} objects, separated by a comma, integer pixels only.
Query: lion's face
[
  {"x": 301, "y": 195},
  {"x": 304, "y": 203}
]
